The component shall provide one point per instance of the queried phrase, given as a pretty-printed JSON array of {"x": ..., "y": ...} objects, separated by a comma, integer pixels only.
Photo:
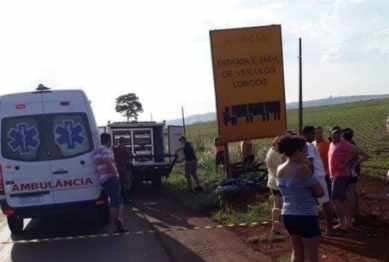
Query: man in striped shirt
[{"x": 109, "y": 180}]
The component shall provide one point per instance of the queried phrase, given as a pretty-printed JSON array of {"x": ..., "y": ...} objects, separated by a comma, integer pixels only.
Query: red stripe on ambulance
[{"x": 48, "y": 185}]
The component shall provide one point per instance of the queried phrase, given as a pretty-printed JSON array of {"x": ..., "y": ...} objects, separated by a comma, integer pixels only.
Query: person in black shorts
[
  {"x": 299, "y": 188},
  {"x": 354, "y": 172},
  {"x": 219, "y": 156}
]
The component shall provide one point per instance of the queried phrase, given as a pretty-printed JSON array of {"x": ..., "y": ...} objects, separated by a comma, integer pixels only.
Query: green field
[{"x": 367, "y": 118}]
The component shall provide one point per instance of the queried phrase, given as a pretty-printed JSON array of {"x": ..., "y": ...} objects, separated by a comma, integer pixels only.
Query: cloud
[
  {"x": 264, "y": 4},
  {"x": 331, "y": 55},
  {"x": 377, "y": 47},
  {"x": 162, "y": 47},
  {"x": 343, "y": 20}
]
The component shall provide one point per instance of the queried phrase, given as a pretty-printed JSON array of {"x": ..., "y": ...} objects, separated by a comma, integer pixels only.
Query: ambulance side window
[
  {"x": 22, "y": 138},
  {"x": 69, "y": 136}
]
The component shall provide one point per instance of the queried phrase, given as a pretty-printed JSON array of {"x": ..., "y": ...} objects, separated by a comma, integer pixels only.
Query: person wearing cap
[
  {"x": 190, "y": 164},
  {"x": 340, "y": 155},
  {"x": 317, "y": 167}
]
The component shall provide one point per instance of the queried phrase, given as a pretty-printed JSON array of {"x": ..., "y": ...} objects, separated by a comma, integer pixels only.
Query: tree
[{"x": 129, "y": 106}]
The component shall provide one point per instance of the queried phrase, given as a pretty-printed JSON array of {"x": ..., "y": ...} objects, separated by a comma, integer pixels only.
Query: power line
[
  {"x": 348, "y": 40},
  {"x": 292, "y": 65}
]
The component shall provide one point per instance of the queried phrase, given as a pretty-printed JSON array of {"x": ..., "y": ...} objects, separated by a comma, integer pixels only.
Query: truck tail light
[
  {"x": 100, "y": 202},
  {"x": 2, "y": 193},
  {"x": 8, "y": 212},
  {"x": 20, "y": 106}
]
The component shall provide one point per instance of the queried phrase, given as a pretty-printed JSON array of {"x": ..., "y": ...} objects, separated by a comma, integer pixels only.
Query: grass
[
  {"x": 258, "y": 212},
  {"x": 283, "y": 259},
  {"x": 266, "y": 238},
  {"x": 367, "y": 118},
  {"x": 176, "y": 186}
]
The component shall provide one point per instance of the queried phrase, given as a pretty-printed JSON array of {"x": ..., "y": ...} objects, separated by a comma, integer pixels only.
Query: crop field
[{"x": 367, "y": 118}]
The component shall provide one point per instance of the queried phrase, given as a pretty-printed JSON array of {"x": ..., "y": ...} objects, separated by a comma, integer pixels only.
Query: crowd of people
[
  {"x": 309, "y": 171},
  {"x": 246, "y": 154},
  {"x": 304, "y": 172}
]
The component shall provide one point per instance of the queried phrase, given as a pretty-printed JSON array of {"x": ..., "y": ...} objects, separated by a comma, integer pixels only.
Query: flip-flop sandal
[
  {"x": 121, "y": 231},
  {"x": 275, "y": 232},
  {"x": 335, "y": 232},
  {"x": 341, "y": 231},
  {"x": 335, "y": 221}
]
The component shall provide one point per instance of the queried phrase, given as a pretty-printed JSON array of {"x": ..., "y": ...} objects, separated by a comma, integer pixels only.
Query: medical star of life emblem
[
  {"x": 69, "y": 134},
  {"x": 23, "y": 138}
]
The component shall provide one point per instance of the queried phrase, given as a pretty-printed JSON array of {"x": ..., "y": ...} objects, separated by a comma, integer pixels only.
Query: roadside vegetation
[{"x": 367, "y": 118}]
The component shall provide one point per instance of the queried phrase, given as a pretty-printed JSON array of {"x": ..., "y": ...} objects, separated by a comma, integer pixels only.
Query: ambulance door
[
  {"x": 174, "y": 134},
  {"x": 23, "y": 157},
  {"x": 71, "y": 145}
]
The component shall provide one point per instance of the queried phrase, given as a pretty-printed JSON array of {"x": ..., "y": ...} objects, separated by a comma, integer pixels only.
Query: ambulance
[{"x": 47, "y": 138}]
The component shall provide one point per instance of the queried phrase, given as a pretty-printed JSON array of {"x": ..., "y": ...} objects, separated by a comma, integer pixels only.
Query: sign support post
[{"x": 227, "y": 160}]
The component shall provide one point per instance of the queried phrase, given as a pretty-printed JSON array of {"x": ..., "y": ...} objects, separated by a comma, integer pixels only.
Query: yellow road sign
[{"x": 249, "y": 82}]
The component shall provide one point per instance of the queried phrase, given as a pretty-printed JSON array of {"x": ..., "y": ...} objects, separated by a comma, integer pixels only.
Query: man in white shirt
[{"x": 318, "y": 170}]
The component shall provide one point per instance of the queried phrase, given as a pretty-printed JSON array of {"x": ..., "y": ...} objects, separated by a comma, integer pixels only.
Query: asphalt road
[
  {"x": 152, "y": 211},
  {"x": 133, "y": 247}
]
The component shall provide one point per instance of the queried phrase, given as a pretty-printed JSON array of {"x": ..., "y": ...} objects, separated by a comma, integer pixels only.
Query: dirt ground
[
  {"x": 368, "y": 242},
  {"x": 163, "y": 212}
]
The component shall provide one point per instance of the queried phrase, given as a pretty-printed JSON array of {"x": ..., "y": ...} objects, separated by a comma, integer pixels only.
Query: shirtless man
[
  {"x": 247, "y": 154},
  {"x": 387, "y": 128}
]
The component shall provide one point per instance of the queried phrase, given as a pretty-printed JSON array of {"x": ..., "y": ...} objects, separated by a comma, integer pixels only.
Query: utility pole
[
  {"x": 183, "y": 120},
  {"x": 300, "y": 88}
]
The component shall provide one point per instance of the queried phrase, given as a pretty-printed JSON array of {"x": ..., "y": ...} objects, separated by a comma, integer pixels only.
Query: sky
[{"x": 160, "y": 50}]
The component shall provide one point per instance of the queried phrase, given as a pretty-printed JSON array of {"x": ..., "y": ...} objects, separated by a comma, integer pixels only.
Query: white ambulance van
[{"x": 47, "y": 138}]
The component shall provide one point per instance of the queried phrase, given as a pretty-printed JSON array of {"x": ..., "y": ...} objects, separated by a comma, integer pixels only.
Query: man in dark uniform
[
  {"x": 123, "y": 158},
  {"x": 190, "y": 164}
]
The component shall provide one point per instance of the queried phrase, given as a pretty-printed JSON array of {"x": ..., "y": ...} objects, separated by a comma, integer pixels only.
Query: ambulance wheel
[
  {"x": 137, "y": 184},
  {"x": 157, "y": 182},
  {"x": 104, "y": 215},
  {"x": 15, "y": 224}
]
